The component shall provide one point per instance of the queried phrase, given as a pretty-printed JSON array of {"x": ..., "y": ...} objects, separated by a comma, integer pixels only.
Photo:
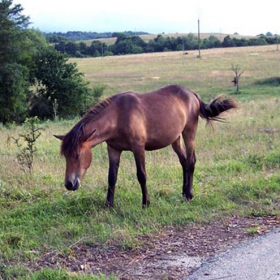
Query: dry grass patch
[{"x": 146, "y": 72}]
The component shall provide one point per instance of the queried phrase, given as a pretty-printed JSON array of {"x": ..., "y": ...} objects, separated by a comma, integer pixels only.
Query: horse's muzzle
[{"x": 72, "y": 186}]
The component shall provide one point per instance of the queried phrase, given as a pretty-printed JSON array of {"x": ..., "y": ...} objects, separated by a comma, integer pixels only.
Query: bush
[
  {"x": 28, "y": 150},
  {"x": 93, "y": 97}
]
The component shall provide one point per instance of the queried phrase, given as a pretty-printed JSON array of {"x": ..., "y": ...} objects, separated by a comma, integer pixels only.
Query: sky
[{"x": 246, "y": 17}]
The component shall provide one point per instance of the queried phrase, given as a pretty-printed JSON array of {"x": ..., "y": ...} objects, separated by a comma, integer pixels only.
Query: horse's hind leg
[
  {"x": 114, "y": 161},
  {"x": 189, "y": 137},
  {"x": 139, "y": 155},
  {"x": 180, "y": 151}
]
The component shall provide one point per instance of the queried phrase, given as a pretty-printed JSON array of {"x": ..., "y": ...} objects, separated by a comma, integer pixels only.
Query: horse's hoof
[
  {"x": 188, "y": 197},
  {"x": 108, "y": 204},
  {"x": 146, "y": 205}
]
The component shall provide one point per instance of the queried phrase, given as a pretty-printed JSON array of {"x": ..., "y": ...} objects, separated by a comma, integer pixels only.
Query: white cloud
[{"x": 245, "y": 17}]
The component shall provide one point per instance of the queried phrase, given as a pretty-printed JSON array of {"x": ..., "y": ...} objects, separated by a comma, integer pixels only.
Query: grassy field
[
  {"x": 208, "y": 76},
  {"x": 237, "y": 170}
]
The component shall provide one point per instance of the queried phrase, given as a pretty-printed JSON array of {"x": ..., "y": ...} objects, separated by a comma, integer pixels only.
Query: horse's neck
[{"x": 101, "y": 129}]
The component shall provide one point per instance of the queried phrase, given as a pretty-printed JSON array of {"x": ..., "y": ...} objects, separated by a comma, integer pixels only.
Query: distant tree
[
  {"x": 238, "y": 72},
  {"x": 128, "y": 45},
  {"x": 83, "y": 48},
  {"x": 260, "y": 41},
  {"x": 138, "y": 41},
  {"x": 151, "y": 46},
  {"x": 190, "y": 42},
  {"x": 55, "y": 39},
  {"x": 228, "y": 42},
  {"x": 119, "y": 35},
  {"x": 108, "y": 53},
  {"x": 61, "y": 46},
  {"x": 97, "y": 48},
  {"x": 159, "y": 43},
  {"x": 71, "y": 48},
  {"x": 268, "y": 34},
  {"x": 211, "y": 42}
]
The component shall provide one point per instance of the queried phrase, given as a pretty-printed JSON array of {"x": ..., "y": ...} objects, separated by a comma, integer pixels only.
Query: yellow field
[{"x": 145, "y": 72}]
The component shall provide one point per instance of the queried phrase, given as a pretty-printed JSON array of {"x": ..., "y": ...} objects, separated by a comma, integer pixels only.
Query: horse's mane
[{"x": 74, "y": 138}]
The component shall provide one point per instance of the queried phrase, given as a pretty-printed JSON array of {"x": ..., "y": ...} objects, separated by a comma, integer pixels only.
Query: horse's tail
[{"x": 212, "y": 111}]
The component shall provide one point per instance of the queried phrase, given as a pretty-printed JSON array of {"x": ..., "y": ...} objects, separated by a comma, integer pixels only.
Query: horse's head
[{"x": 78, "y": 160}]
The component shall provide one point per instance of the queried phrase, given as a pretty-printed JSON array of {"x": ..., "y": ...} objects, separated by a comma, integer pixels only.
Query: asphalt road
[{"x": 258, "y": 259}]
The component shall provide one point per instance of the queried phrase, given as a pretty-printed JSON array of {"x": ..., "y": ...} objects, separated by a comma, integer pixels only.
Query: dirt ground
[{"x": 171, "y": 254}]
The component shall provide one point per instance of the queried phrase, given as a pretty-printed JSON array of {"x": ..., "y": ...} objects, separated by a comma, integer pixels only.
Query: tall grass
[
  {"x": 209, "y": 76},
  {"x": 237, "y": 170}
]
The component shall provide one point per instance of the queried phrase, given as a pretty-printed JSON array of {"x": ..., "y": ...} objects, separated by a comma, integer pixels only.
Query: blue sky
[{"x": 246, "y": 17}]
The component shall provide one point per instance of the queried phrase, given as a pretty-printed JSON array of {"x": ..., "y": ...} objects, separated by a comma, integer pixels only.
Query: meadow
[{"x": 237, "y": 170}]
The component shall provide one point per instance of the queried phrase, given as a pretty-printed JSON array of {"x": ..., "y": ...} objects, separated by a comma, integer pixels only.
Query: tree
[
  {"x": 83, "y": 48},
  {"x": 13, "y": 92},
  {"x": 228, "y": 42},
  {"x": 237, "y": 71},
  {"x": 26, "y": 60},
  {"x": 12, "y": 25},
  {"x": 58, "y": 83},
  {"x": 211, "y": 42},
  {"x": 71, "y": 48},
  {"x": 97, "y": 48},
  {"x": 13, "y": 73},
  {"x": 190, "y": 42}
]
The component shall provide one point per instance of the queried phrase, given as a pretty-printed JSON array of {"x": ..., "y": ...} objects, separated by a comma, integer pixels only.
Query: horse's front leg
[
  {"x": 139, "y": 155},
  {"x": 114, "y": 161}
]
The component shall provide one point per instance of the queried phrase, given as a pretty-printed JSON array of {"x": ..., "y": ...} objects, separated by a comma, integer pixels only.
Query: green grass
[{"x": 237, "y": 170}]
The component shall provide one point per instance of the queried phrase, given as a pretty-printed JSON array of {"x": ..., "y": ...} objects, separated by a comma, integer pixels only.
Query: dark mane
[{"x": 74, "y": 138}]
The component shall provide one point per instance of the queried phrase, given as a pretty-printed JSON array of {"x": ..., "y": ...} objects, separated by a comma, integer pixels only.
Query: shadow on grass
[{"x": 273, "y": 81}]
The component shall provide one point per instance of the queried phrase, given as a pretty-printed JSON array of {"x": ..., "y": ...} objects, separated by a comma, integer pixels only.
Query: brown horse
[{"x": 137, "y": 122}]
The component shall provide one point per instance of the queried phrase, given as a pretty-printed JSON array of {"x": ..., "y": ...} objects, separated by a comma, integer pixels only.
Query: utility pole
[{"x": 198, "y": 38}]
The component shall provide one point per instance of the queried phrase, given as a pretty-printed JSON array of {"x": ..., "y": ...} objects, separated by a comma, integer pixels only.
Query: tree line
[
  {"x": 134, "y": 44},
  {"x": 36, "y": 79},
  {"x": 56, "y": 37}
]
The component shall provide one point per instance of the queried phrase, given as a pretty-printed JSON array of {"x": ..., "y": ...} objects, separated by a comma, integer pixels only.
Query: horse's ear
[{"x": 60, "y": 137}]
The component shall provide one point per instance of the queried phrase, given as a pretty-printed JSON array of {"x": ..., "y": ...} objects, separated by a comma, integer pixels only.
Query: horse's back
[
  {"x": 165, "y": 98},
  {"x": 157, "y": 118}
]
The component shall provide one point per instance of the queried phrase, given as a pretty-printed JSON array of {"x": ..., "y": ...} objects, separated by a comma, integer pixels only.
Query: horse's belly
[
  {"x": 155, "y": 146},
  {"x": 161, "y": 141}
]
